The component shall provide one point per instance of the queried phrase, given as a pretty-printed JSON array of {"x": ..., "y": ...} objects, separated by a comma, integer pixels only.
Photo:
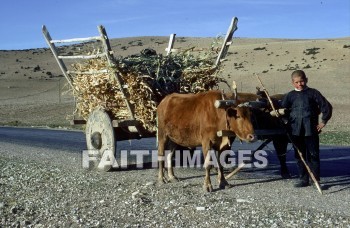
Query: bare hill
[{"x": 33, "y": 90}]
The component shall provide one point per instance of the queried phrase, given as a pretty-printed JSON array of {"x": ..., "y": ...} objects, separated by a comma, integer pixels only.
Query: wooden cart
[{"x": 102, "y": 130}]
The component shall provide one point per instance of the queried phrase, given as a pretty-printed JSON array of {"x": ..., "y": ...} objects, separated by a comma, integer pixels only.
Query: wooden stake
[
  {"x": 227, "y": 42},
  {"x": 171, "y": 44}
]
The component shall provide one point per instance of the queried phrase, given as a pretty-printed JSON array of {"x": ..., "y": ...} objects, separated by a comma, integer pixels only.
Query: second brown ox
[{"x": 191, "y": 120}]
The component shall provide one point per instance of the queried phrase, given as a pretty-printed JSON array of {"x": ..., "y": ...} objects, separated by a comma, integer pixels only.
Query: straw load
[{"x": 146, "y": 79}]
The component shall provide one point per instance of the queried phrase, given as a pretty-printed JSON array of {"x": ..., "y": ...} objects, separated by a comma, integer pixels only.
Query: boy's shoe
[{"x": 301, "y": 184}]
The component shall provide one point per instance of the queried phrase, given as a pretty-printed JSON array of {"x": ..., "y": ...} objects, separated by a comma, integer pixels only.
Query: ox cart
[{"x": 102, "y": 129}]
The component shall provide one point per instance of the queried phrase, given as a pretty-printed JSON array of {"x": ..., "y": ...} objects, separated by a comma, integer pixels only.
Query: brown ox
[{"x": 191, "y": 120}]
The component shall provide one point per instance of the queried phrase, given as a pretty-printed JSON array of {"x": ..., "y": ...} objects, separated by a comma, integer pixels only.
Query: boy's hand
[{"x": 320, "y": 126}]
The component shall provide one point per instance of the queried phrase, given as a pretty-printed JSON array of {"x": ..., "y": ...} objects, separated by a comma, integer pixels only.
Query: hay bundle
[
  {"x": 97, "y": 90},
  {"x": 147, "y": 78}
]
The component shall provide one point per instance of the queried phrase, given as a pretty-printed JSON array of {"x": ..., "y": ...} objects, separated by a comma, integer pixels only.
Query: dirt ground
[
  {"x": 47, "y": 187},
  {"x": 33, "y": 91},
  {"x": 43, "y": 184}
]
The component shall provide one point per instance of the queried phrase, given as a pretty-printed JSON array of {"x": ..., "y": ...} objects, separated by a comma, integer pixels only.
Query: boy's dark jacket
[{"x": 305, "y": 107}]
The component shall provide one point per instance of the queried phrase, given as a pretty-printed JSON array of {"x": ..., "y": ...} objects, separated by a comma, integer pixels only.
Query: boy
[{"x": 305, "y": 105}]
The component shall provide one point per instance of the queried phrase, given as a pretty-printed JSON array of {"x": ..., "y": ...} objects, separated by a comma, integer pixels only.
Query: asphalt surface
[
  {"x": 335, "y": 160},
  {"x": 44, "y": 184}
]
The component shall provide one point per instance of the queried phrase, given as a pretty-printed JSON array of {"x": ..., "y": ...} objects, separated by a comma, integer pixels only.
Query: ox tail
[{"x": 157, "y": 131}]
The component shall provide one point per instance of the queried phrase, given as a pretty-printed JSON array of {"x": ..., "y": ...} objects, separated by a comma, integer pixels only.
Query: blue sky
[{"x": 21, "y": 20}]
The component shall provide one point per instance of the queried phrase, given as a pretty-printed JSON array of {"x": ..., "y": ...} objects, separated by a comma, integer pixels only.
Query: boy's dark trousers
[{"x": 310, "y": 150}]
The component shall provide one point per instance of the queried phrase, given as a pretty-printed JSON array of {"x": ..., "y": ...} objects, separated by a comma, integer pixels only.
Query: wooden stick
[
  {"x": 81, "y": 56},
  {"x": 300, "y": 155},
  {"x": 240, "y": 166},
  {"x": 60, "y": 62},
  {"x": 310, "y": 172},
  {"x": 268, "y": 96},
  {"x": 171, "y": 44},
  {"x": 77, "y": 40},
  {"x": 227, "y": 42}
]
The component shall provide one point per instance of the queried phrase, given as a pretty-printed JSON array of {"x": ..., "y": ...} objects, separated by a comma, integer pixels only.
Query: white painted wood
[
  {"x": 171, "y": 43},
  {"x": 77, "y": 40},
  {"x": 55, "y": 54},
  {"x": 227, "y": 41},
  {"x": 82, "y": 56}
]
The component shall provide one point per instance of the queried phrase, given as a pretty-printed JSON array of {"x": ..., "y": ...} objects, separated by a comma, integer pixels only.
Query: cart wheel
[{"x": 100, "y": 138}]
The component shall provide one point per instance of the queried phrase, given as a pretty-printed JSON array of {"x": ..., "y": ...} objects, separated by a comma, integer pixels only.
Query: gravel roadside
[{"x": 43, "y": 187}]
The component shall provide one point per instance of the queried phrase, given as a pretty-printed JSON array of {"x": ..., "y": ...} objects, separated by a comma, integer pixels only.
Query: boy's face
[{"x": 299, "y": 83}]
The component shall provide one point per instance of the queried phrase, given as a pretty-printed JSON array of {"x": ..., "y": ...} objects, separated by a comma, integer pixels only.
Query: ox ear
[{"x": 231, "y": 112}]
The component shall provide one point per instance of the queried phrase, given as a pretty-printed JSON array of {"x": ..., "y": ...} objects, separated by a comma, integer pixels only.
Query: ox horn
[{"x": 234, "y": 87}]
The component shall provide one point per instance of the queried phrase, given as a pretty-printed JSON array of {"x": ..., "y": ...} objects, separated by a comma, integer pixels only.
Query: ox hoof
[
  {"x": 224, "y": 185},
  {"x": 174, "y": 179},
  {"x": 208, "y": 188},
  {"x": 162, "y": 181}
]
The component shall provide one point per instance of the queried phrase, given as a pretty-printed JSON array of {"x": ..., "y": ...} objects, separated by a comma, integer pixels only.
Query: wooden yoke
[{"x": 224, "y": 103}]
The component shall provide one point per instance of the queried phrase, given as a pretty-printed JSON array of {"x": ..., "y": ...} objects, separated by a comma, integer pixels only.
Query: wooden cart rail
[
  {"x": 107, "y": 52},
  {"x": 224, "y": 48},
  {"x": 102, "y": 131}
]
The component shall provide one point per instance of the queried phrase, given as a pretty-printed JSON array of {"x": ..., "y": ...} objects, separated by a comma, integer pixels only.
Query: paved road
[
  {"x": 43, "y": 181},
  {"x": 334, "y": 160}
]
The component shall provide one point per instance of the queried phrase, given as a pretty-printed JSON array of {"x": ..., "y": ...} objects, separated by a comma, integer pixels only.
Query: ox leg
[
  {"x": 171, "y": 174},
  {"x": 280, "y": 143},
  {"x": 221, "y": 177},
  {"x": 207, "y": 183},
  {"x": 161, "y": 160}
]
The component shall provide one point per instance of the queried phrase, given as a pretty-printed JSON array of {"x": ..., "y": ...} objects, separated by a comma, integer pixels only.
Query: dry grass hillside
[{"x": 33, "y": 91}]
